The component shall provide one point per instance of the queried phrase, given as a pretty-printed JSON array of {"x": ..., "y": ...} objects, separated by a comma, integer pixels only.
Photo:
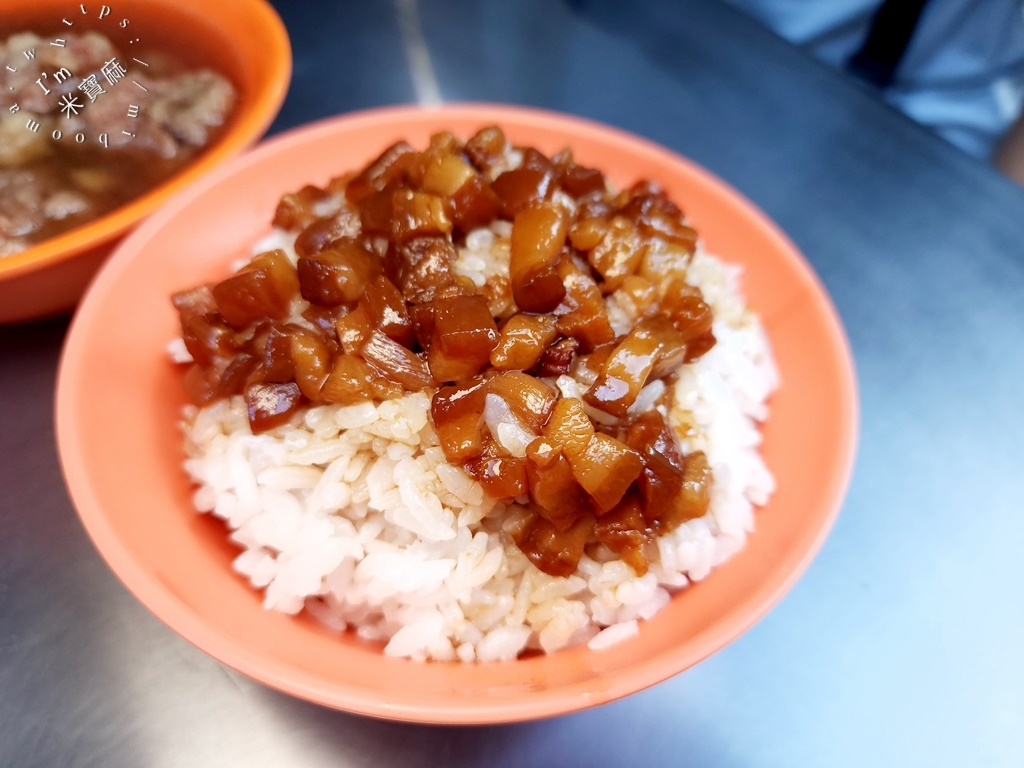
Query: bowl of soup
[{"x": 109, "y": 110}]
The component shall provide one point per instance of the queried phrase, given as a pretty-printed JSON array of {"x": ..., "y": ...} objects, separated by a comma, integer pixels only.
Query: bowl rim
[
  {"x": 646, "y": 672},
  {"x": 261, "y": 112}
]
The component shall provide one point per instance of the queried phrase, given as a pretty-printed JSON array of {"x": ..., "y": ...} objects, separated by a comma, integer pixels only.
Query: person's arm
[{"x": 1009, "y": 156}]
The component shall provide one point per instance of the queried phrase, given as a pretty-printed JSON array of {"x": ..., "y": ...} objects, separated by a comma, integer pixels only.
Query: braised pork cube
[
  {"x": 577, "y": 180},
  {"x": 501, "y": 476},
  {"x": 538, "y": 235},
  {"x": 471, "y": 200},
  {"x": 582, "y": 314},
  {"x": 557, "y": 359},
  {"x": 662, "y": 476},
  {"x": 624, "y": 374},
  {"x": 463, "y": 336},
  {"x": 297, "y": 210},
  {"x": 378, "y": 174},
  {"x": 417, "y": 214},
  {"x": 474, "y": 204},
  {"x": 311, "y": 360},
  {"x": 376, "y": 212},
  {"x": 263, "y": 289},
  {"x": 270, "y": 405},
  {"x": 569, "y": 427},
  {"x": 200, "y": 385},
  {"x": 700, "y": 346},
  {"x": 396, "y": 362},
  {"x": 606, "y": 468},
  {"x": 208, "y": 338},
  {"x": 338, "y": 275},
  {"x": 445, "y": 173},
  {"x": 556, "y": 492},
  {"x": 694, "y": 495},
  {"x": 206, "y": 335},
  {"x": 498, "y": 292},
  {"x": 486, "y": 149},
  {"x": 426, "y": 268},
  {"x": 523, "y": 340},
  {"x": 642, "y": 294},
  {"x": 542, "y": 452},
  {"x": 530, "y": 399},
  {"x": 354, "y": 329},
  {"x": 663, "y": 261},
  {"x": 658, "y": 216},
  {"x": 349, "y": 381},
  {"x": 522, "y": 188},
  {"x": 323, "y": 320},
  {"x": 684, "y": 303},
  {"x": 272, "y": 345},
  {"x": 383, "y": 388},
  {"x": 671, "y": 345},
  {"x": 624, "y": 531},
  {"x": 457, "y": 412},
  {"x": 588, "y": 366},
  {"x": 422, "y": 317},
  {"x": 618, "y": 254},
  {"x": 323, "y": 232},
  {"x": 386, "y": 310},
  {"x": 235, "y": 376},
  {"x": 651, "y": 350},
  {"x": 194, "y": 301},
  {"x": 555, "y": 552},
  {"x": 585, "y": 234}
]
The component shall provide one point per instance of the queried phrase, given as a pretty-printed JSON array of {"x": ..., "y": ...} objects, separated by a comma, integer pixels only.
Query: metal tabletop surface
[{"x": 901, "y": 645}]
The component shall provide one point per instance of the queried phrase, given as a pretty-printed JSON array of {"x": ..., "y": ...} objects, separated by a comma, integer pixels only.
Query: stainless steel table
[{"x": 902, "y": 645}]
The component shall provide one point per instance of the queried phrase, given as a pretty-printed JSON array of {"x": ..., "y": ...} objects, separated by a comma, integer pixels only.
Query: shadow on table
[{"x": 615, "y": 734}]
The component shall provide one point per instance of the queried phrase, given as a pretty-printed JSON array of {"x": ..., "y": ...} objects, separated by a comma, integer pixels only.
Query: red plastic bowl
[{"x": 118, "y": 402}]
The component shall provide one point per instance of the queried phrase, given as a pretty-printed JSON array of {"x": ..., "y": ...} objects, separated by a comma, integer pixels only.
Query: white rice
[{"x": 353, "y": 514}]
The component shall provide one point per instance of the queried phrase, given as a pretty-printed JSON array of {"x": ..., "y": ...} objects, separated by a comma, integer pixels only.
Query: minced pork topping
[{"x": 373, "y": 307}]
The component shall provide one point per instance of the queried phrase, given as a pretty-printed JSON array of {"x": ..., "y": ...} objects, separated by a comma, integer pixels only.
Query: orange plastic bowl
[
  {"x": 243, "y": 39},
  {"x": 118, "y": 403}
]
